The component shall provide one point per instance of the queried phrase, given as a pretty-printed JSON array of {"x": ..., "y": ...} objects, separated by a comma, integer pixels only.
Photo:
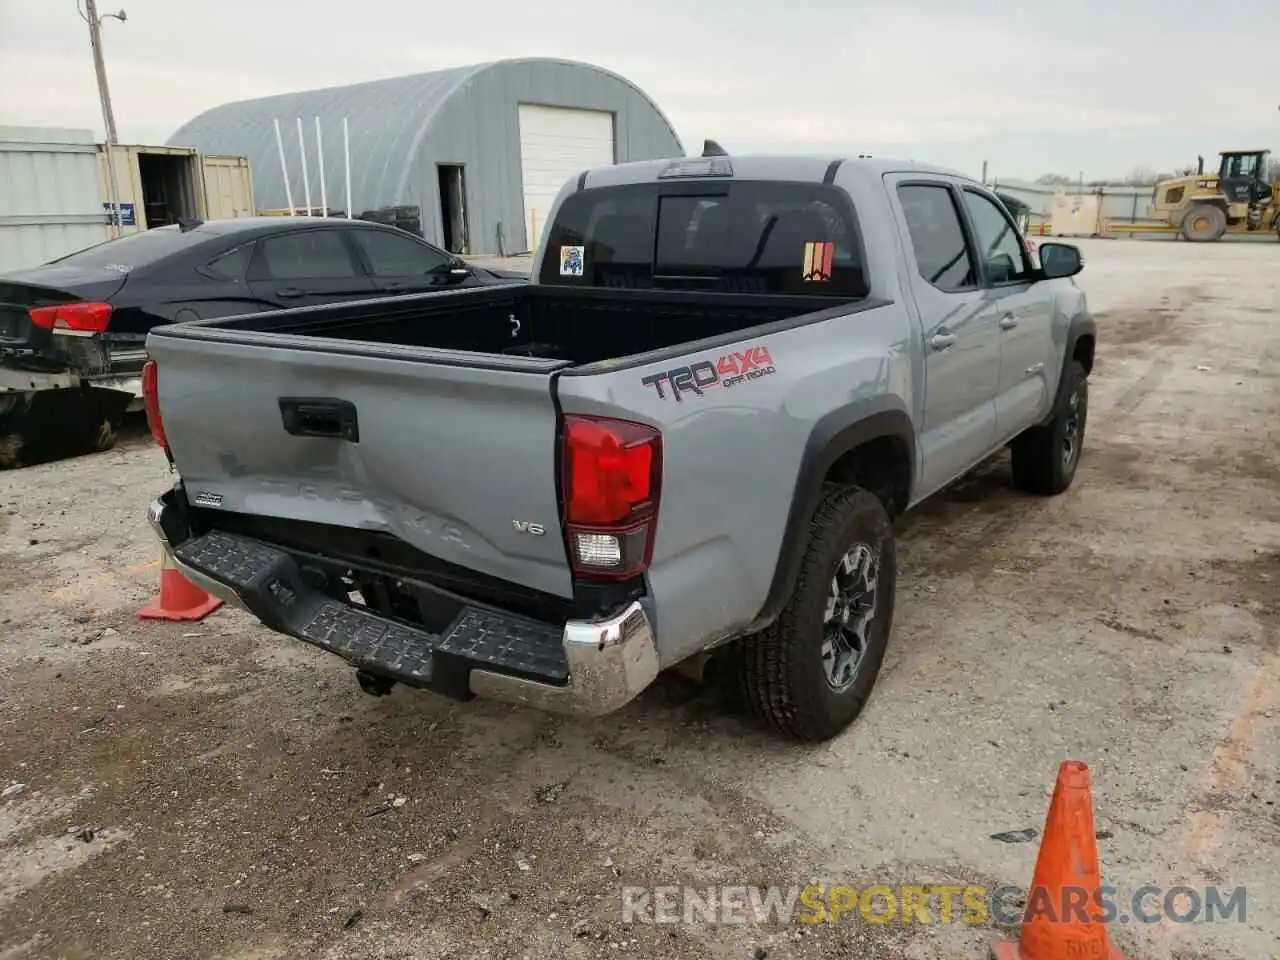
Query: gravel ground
[{"x": 212, "y": 790}]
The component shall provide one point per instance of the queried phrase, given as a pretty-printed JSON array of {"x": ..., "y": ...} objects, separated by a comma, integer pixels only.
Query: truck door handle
[
  {"x": 941, "y": 341},
  {"x": 288, "y": 293},
  {"x": 320, "y": 417},
  {"x": 1008, "y": 321}
]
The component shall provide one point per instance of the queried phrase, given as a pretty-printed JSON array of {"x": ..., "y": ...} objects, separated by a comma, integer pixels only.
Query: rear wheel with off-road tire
[
  {"x": 808, "y": 675},
  {"x": 1045, "y": 457},
  {"x": 1204, "y": 223}
]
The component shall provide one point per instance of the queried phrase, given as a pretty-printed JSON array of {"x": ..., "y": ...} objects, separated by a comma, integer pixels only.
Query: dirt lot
[{"x": 243, "y": 796}]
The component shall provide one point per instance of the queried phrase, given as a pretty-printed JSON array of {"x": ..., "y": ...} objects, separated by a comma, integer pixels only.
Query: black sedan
[
  {"x": 81, "y": 321},
  {"x": 219, "y": 268}
]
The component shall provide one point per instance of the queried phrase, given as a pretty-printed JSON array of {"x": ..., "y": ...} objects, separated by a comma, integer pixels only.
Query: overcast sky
[{"x": 1115, "y": 85}]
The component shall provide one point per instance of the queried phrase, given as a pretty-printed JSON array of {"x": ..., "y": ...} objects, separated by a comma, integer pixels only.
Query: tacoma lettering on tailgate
[{"x": 702, "y": 375}]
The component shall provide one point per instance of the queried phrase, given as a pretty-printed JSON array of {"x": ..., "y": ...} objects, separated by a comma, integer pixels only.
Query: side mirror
[{"x": 1059, "y": 260}]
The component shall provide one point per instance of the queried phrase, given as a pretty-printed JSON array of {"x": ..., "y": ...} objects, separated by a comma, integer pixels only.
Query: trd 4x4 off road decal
[{"x": 725, "y": 372}]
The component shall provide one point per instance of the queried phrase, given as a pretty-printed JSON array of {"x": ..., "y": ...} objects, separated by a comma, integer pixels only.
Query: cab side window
[
  {"x": 392, "y": 255},
  {"x": 998, "y": 243}
]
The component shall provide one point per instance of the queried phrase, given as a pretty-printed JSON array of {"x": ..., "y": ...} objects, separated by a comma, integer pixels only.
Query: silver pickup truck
[{"x": 688, "y": 434}]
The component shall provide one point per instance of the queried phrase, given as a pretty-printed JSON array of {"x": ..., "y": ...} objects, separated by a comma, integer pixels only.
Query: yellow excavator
[{"x": 1238, "y": 199}]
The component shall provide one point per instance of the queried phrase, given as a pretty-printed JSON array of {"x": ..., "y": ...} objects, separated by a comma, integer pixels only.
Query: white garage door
[{"x": 557, "y": 143}]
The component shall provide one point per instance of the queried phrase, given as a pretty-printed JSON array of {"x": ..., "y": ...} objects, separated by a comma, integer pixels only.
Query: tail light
[
  {"x": 612, "y": 476},
  {"x": 73, "y": 317},
  {"x": 151, "y": 402}
]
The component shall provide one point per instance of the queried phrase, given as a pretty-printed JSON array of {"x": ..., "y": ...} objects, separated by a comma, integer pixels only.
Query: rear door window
[
  {"x": 764, "y": 237},
  {"x": 305, "y": 255},
  {"x": 937, "y": 236}
]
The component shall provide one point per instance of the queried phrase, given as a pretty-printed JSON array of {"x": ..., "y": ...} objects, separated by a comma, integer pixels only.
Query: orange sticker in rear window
[{"x": 817, "y": 261}]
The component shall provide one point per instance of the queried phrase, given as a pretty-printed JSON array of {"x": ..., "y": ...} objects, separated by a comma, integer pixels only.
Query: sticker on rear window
[
  {"x": 571, "y": 261},
  {"x": 817, "y": 262}
]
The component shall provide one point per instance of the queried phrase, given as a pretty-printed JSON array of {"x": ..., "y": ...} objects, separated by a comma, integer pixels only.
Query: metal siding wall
[
  {"x": 479, "y": 127},
  {"x": 50, "y": 204},
  {"x": 1121, "y": 203}
]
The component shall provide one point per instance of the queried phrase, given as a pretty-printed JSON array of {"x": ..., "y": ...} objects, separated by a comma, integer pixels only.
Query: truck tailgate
[{"x": 453, "y": 453}]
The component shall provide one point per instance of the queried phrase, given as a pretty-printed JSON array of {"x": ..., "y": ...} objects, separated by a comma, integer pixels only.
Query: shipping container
[
  {"x": 162, "y": 185},
  {"x": 158, "y": 185},
  {"x": 50, "y": 204},
  {"x": 56, "y": 189},
  {"x": 228, "y": 188}
]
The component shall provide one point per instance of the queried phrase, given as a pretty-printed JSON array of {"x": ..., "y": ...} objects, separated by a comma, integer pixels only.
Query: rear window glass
[
  {"x": 136, "y": 250},
  {"x": 760, "y": 237}
]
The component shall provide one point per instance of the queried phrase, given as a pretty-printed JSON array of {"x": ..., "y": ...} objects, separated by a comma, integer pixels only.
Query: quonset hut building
[{"x": 481, "y": 150}]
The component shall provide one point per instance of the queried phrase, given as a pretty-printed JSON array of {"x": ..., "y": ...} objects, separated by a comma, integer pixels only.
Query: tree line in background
[{"x": 1139, "y": 177}]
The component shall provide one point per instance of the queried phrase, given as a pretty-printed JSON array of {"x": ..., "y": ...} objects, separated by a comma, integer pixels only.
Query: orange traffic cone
[
  {"x": 1067, "y": 872},
  {"x": 179, "y": 598}
]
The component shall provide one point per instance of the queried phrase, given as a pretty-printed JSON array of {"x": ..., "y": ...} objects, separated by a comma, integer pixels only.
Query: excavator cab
[{"x": 1242, "y": 176}]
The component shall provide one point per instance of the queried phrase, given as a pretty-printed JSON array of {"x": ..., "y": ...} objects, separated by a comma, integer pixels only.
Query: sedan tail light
[{"x": 73, "y": 317}]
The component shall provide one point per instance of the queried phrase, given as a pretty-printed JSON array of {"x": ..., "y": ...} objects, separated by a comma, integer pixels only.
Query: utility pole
[{"x": 90, "y": 16}]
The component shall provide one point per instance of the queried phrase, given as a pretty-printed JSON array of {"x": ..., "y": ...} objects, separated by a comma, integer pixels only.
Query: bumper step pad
[
  {"x": 270, "y": 584},
  {"x": 523, "y": 646}
]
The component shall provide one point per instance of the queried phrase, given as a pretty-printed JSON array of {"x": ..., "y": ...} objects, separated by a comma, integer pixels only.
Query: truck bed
[
  {"x": 434, "y": 421},
  {"x": 579, "y": 327}
]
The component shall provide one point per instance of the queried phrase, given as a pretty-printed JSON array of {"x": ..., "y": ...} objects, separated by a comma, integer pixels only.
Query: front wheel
[
  {"x": 1204, "y": 223},
  {"x": 809, "y": 674},
  {"x": 1045, "y": 458}
]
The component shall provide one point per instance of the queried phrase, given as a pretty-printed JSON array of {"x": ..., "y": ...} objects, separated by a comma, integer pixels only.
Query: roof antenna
[{"x": 712, "y": 149}]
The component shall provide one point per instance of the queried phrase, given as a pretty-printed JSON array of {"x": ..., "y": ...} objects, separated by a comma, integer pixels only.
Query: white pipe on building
[
  {"x": 346, "y": 150},
  {"x": 324, "y": 196},
  {"x": 306, "y": 178},
  {"x": 284, "y": 169}
]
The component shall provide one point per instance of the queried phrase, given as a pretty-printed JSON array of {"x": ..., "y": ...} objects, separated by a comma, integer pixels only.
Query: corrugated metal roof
[{"x": 385, "y": 118}]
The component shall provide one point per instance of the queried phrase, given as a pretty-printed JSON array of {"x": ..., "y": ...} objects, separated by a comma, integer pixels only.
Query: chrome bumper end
[
  {"x": 610, "y": 662},
  {"x": 210, "y": 586}
]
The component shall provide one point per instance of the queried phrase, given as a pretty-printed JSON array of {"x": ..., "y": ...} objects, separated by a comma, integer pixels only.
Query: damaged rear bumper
[{"x": 582, "y": 667}]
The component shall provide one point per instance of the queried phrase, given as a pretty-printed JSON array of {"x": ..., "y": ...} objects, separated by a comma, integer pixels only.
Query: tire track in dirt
[
  {"x": 996, "y": 512},
  {"x": 983, "y": 528}
]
